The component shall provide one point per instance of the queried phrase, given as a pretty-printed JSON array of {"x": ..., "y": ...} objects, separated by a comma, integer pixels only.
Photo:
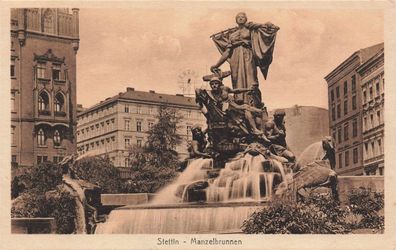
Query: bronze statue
[
  {"x": 198, "y": 144},
  {"x": 275, "y": 131},
  {"x": 246, "y": 47}
]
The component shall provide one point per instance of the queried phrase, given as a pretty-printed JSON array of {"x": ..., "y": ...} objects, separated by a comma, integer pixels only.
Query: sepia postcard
[{"x": 198, "y": 125}]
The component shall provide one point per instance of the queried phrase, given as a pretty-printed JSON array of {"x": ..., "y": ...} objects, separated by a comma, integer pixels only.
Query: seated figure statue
[
  {"x": 275, "y": 131},
  {"x": 198, "y": 144}
]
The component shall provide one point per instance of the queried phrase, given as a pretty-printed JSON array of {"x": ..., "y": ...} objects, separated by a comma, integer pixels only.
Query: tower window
[
  {"x": 43, "y": 101},
  {"x": 59, "y": 102},
  {"x": 56, "y": 73},
  {"x": 57, "y": 138},
  {"x": 40, "y": 70}
]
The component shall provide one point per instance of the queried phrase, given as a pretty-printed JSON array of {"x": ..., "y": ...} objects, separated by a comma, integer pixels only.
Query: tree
[{"x": 154, "y": 165}]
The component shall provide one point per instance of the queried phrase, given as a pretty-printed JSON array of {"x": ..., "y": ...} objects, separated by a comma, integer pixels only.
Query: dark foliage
[
  {"x": 99, "y": 171},
  {"x": 367, "y": 204},
  {"x": 318, "y": 214}
]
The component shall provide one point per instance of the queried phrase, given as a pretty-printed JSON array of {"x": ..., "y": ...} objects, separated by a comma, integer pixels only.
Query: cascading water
[{"x": 239, "y": 189}]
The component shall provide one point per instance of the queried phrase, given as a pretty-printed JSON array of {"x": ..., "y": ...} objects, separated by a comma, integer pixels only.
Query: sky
[{"x": 150, "y": 48}]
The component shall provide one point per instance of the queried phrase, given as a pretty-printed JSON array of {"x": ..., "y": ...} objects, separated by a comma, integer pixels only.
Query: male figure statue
[{"x": 275, "y": 131}]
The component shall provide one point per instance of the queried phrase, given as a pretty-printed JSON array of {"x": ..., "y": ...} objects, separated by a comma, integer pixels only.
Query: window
[
  {"x": 188, "y": 132},
  {"x": 372, "y": 120},
  {"x": 373, "y": 152},
  {"x": 381, "y": 171},
  {"x": 127, "y": 125},
  {"x": 12, "y": 70},
  {"x": 364, "y": 96},
  {"x": 345, "y": 88},
  {"x": 126, "y": 162},
  {"x": 41, "y": 159},
  {"x": 150, "y": 125},
  {"x": 346, "y": 129},
  {"x": 366, "y": 150},
  {"x": 138, "y": 126},
  {"x": 332, "y": 96},
  {"x": 377, "y": 88},
  {"x": 334, "y": 134},
  {"x": 333, "y": 113},
  {"x": 339, "y": 135},
  {"x": 345, "y": 107},
  {"x": 353, "y": 83},
  {"x": 379, "y": 117},
  {"x": 346, "y": 158},
  {"x": 365, "y": 123},
  {"x": 48, "y": 22},
  {"x": 41, "y": 137},
  {"x": 56, "y": 72},
  {"x": 12, "y": 101},
  {"x": 338, "y": 110},
  {"x": 354, "y": 102},
  {"x": 380, "y": 146},
  {"x": 57, "y": 159},
  {"x": 355, "y": 155},
  {"x": 127, "y": 142},
  {"x": 126, "y": 108},
  {"x": 57, "y": 138},
  {"x": 13, "y": 135},
  {"x": 354, "y": 128},
  {"x": 188, "y": 113},
  {"x": 139, "y": 143},
  {"x": 43, "y": 101},
  {"x": 139, "y": 109},
  {"x": 340, "y": 160},
  {"x": 371, "y": 93},
  {"x": 13, "y": 158},
  {"x": 338, "y": 91},
  {"x": 40, "y": 70},
  {"x": 59, "y": 102}
]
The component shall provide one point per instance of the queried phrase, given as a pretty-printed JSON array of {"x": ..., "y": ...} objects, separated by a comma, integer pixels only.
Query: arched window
[
  {"x": 41, "y": 137},
  {"x": 57, "y": 138},
  {"x": 43, "y": 101},
  {"x": 59, "y": 102}
]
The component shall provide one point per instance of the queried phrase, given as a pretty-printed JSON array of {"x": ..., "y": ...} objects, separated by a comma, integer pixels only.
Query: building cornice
[
  {"x": 376, "y": 59},
  {"x": 340, "y": 68}
]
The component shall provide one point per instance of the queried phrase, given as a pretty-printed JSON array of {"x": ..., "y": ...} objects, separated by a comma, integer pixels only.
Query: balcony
[
  {"x": 44, "y": 112},
  {"x": 60, "y": 114}
]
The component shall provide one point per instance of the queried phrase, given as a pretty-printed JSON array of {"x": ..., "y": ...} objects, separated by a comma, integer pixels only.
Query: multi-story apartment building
[
  {"x": 44, "y": 43},
  {"x": 372, "y": 84},
  {"x": 345, "y": 111},
  {"x": 113, "y": 125}
]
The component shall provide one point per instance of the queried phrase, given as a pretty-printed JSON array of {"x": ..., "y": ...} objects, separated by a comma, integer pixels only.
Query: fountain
[{"x": 239, "y": 163}]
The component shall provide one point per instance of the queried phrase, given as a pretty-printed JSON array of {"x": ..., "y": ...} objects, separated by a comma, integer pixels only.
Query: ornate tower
[{"x": 44, "y": 44}]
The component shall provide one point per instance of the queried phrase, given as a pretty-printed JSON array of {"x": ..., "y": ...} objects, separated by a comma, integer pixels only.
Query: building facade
[
  {"x": 373, "y": 83},
  {"x": 345, "y": 111},
  {"x": 112, "y": 126},
  {"x": 44, "y": 43}
]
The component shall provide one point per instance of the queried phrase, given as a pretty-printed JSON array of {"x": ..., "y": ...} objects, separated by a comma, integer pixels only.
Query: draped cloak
[{"x": 247, "y": 53}]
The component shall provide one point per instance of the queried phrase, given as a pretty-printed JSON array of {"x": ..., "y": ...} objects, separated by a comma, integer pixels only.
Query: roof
[
  {"x": 372, "y": 59},
  {"x": 150, "y": 97},
  {"x": 364, "y": 54}
]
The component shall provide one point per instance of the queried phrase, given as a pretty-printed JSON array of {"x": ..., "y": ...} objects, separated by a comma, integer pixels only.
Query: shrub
[{"x": 99, "y": 171}]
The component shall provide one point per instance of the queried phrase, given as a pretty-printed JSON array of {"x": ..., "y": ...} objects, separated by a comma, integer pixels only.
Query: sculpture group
[{"x": 237, "y": 118}]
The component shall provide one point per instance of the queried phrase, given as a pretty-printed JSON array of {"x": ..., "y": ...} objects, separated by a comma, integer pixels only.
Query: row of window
[
  {"x": 337, "y": 89},
  {"x": 344, "y": 158},
  {"x": 127, "y": 125},
  {"x": 337, "y": 112},
  {"x": 106, "y": 144},
  {"x": 96, "y": 129},
  {"x": 44, "y": 102},
  {"x": 369, "y": 88},
  {"x": 139, "y": 142},
  {"x": 42, "y": 138},
  {"x": 372, "y": 120},
  {"x": 99, "y": 113},
  {"x": 345, "y": 129},
  {"x": 41, "y": 71},
  {"x": 40, "y": 159},
  {"x": 373, "y": 148}
]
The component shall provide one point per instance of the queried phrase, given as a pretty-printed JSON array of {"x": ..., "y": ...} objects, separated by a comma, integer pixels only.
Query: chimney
[
  {"x": 152, "y": 91},
  {"x": 130, "y": 89}
]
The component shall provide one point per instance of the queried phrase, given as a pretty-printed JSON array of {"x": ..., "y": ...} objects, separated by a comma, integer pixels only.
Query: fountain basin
[{"x": 186, "y": 218}]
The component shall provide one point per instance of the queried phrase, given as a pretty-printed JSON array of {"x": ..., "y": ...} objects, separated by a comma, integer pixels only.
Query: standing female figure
[{"x": 245, "y": 47}]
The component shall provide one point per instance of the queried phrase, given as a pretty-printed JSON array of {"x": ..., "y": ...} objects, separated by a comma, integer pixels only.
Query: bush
[
  {"x": 319, "y": 214},
  {"x": 367, "y": 204},
  {"x": 99, "y": 171},
  {"x": 311, "y": 216}
]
